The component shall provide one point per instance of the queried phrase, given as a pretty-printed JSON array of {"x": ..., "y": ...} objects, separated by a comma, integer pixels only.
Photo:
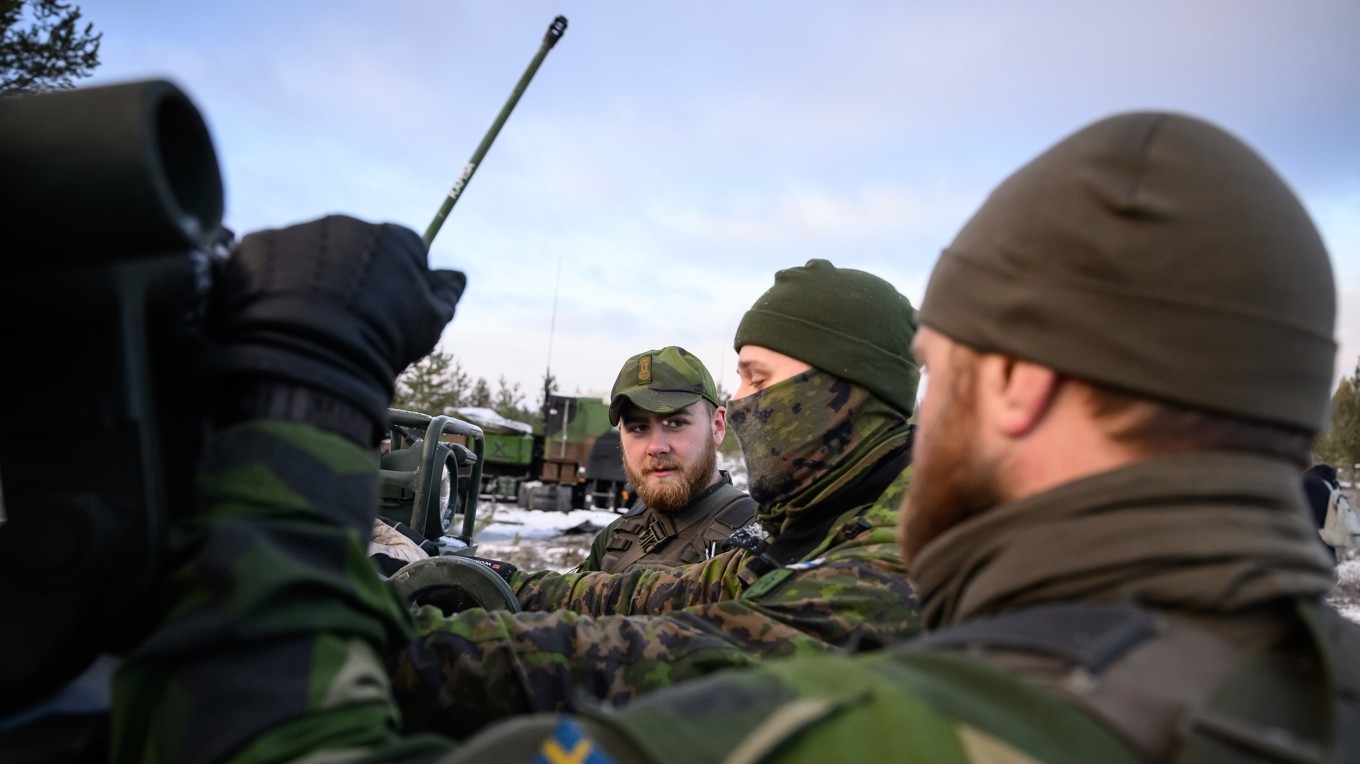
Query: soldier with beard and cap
[
  {"x": 670, "y": 425},
  {"x": 1130, "y": 354},
  {"x": 287, "y": 650},
  {"x": 828, "y": 384}
]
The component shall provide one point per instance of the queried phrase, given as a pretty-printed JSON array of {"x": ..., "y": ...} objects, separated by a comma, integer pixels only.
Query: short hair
[{"x": 1159, "y": 427}]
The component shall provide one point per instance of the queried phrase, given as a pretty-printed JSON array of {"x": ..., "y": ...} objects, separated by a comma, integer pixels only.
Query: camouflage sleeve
[
  {"x": 900, "y": 706},
  {"x": 637, "y": 591},
  {"x": 270, "y": 633},
  {"x": 464, "y": 671},
  {"x": 595, "y": 560}
]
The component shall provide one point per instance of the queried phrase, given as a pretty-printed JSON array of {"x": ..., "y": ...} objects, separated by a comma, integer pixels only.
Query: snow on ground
[
  {"x": 1346, "y": 596},
  {"x": 536, "y": 539}
]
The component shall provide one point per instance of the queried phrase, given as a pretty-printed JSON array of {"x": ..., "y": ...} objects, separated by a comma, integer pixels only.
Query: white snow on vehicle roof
[{"x": 489, "y": 419}]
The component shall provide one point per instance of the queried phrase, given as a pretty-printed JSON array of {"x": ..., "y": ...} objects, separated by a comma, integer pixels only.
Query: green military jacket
[
  {"x": 600, "y": 637},
  {"x": 644, "y": 538},
  {"x": 272, "y": 635},
  {"x": 1166, "y": 611},
  {"x": 270, "y": 643}
]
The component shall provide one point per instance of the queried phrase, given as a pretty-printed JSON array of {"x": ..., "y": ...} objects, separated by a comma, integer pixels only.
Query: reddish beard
[
  {"x": 668, "y": 495},
  {"x": 950, "y": 482}
]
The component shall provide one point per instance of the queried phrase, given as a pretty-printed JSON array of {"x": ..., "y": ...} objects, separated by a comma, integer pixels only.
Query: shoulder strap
[
  {"x": 1090, "y": 636},
  {"x": 1163, "y": 685},
  {"x": 739, "y": 510}
]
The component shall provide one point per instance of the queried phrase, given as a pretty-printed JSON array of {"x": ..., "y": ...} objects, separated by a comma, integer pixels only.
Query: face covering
[{"x": 805, "y": 435}]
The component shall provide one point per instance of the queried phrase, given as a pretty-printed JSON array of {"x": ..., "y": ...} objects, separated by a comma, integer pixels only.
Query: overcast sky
[{"x": 668, "y": 158}]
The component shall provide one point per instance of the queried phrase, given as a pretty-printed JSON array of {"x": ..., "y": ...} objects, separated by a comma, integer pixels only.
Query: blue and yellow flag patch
[{"x": 569, "y": 744}]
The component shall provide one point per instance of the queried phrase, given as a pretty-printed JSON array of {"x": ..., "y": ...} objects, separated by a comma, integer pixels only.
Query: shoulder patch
[
  {"x": 807, "y": 564},
  {"x": 570, "y": 743}
]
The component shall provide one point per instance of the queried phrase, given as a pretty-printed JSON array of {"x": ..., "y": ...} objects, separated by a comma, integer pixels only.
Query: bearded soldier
[
  {"x": 1130, "y": 353},
  {"x": 828, "y": 384},
  {"x": 670, "y": 425}
]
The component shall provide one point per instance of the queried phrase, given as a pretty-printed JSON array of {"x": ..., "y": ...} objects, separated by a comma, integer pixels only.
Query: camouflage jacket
[
  {"x": 268, "y": 648},
  {"x": 270, "y": 633},
  {"x": 613, "y": 637},
  {"x": 645, "y": 538},
  {"x": 1197, "y": 635}
]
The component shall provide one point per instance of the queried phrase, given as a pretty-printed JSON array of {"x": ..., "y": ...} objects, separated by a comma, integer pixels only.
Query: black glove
[{"x": 335, "y": 305}]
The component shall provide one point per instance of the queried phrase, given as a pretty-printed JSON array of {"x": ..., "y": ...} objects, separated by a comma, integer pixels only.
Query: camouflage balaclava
[
  {"x": 812, "y": 435},
  {"x": 1156, "y": 254},
  {"x": 808, "y": 437}
]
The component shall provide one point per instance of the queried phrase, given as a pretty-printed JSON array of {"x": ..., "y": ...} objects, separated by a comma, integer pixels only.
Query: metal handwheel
[{"x": 479, "y": 582}]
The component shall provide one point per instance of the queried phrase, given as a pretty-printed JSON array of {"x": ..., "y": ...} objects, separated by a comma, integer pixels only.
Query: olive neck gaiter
[
  {"x": 1210, "y": 532},
  {"x": 808, "y": 437}
]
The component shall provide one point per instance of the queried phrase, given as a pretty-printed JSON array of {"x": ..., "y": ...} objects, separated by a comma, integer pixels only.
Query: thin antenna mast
[{"x": 552, "y": 325}]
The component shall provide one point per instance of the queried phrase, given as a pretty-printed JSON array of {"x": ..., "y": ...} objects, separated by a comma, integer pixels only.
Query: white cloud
[{"x": 673, "y": 158}]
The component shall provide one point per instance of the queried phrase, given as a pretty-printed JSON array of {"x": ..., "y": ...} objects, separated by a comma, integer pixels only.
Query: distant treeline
[{"x": 438, "y": 384}]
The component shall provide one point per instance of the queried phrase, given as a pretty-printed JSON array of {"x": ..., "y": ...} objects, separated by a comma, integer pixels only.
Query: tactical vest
[
  {"x": 647, "y": 539},
  {"x": 1176, "y": 692}
]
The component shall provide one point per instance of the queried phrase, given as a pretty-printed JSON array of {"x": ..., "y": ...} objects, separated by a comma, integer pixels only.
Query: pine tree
[
  {"x": 436, "y": 384},
  {"x": 1340, "y": 444},
  {"x": 509, "y": 403},
  {"x": 50, "y": 52},
  {"x": 549, "y": 389},
  {"x": 480, "y": 395}
]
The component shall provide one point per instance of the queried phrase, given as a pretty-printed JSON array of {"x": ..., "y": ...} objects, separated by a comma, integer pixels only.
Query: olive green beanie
[
  {"x": 1153, "y": 253},
  {"x": 845, "y": 322}
]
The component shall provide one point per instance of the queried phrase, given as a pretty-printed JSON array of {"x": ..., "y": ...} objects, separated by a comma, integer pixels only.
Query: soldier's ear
[
  {"x": 1016, "y": 393},
  {"x": 719, "y": 425}
]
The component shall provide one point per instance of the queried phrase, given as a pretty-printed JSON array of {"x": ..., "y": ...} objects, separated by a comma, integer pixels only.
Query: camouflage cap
[{"x": 661, "y": 381}]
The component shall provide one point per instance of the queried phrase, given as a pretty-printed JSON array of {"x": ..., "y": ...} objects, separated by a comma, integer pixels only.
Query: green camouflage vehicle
[
  {"x": 573, "y": 462},
  {"x": 514, "y": 451}
]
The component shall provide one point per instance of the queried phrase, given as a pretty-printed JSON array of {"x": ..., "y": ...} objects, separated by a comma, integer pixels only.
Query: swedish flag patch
[{"x": 569, "y": 744}]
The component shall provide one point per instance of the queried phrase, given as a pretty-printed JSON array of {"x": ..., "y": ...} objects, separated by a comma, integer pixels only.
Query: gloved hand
[{"x": 336, "y": 305}]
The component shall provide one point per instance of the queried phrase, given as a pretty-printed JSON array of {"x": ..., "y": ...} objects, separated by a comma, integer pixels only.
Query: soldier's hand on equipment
[{"x": 335, "y": 305}]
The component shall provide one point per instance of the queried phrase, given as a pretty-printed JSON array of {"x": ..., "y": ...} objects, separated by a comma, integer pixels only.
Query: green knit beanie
[
  {"x": 1156, "y": 254},
  {"x": 845, "y": 322}
]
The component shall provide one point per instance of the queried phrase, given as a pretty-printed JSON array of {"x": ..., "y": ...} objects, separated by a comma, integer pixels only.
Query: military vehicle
[
  {"x": 582, "y": 464},
  {"x": 572, "y": 461},
  {"x": 514, "y": 452}
]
